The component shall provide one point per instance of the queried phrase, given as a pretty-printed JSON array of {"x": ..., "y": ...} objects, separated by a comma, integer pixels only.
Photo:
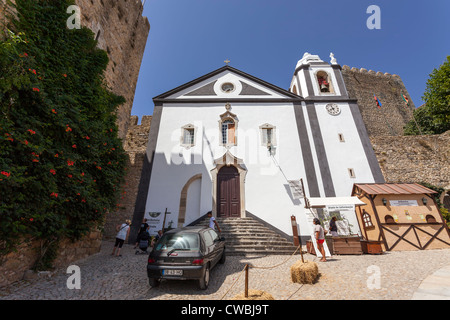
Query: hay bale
[
  {"x": 305, "y": 273},
  {"x": 254, "y": 295}
]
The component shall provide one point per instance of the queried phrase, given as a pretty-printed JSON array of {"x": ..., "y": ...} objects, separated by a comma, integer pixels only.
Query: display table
[{"x": 347, "y": 245}]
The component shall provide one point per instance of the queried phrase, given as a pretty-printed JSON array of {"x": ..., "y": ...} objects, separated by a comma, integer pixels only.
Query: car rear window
[{"x": 188, "y": 241}]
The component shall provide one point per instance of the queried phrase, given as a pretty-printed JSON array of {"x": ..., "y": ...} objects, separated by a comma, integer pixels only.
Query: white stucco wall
[
  {"x": 267, "y": 193},
  {"x": 266, "y": 190}
]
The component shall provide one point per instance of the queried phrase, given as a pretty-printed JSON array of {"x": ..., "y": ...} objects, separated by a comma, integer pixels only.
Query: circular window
[{"x": 228, "y": 87}]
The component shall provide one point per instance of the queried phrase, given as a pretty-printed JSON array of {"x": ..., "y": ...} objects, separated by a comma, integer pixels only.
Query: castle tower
[
  {"x": 314, "y": 78},
  {"x": 122, "y": 32}
]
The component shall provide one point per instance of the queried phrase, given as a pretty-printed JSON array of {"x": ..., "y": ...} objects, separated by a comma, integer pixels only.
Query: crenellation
[{"x": 388, "y": 120}]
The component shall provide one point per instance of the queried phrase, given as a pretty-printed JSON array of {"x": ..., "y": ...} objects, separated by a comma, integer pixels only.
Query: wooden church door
[{"x": 228, "y": 193}]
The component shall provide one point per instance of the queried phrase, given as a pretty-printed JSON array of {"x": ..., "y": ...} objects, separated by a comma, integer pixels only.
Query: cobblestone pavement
[{"x": 106, "y": 277}]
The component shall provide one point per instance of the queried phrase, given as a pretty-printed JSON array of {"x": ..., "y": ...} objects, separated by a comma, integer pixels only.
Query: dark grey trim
[
  {"x": 367, "y": 145},
  {"x": 144, "y": 183},
  {"x": 311, "y": 178},
  {"x": 303, "y": 66},
  {"x": 269, "y": 226},
  {"x": 248, "y": 90},
  {"x": 225, "y": 100},
  {"x": 256, "y": 100},
  {"x": 320, "y": 151},
  {"x": 329, "y": 98},
  {"x": 309, "y": 85},
  {"x": 218, "y": 71},
  {"x": 206, "y": 90},
  {"x": 194, "y": 223},
  {"x": 298, "y": 85},
  {"x": 340, "y": 80}
]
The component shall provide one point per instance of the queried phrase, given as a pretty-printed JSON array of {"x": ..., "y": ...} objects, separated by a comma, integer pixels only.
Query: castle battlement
[{"x": 371, "y": 72}]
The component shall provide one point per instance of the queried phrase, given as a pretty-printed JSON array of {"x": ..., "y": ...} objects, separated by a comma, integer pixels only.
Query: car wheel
[
  {"x": 204, "y": 281},
  {"x": 153, "y": 282},
  {"x": 223, "y": 258}
]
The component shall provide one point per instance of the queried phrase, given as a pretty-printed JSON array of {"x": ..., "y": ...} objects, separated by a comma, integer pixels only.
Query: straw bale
[
  {"x": 305, "y": 273},
  {"x": 254, "y": 295}
]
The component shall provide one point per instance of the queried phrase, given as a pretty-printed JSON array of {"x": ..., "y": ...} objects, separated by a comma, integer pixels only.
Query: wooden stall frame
[{"x": 412, "y": 226}]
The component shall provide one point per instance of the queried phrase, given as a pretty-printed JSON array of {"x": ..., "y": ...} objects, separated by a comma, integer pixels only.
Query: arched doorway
[
  {"x": 228, "y": 193},
  {"x": 188, "y": 208}
]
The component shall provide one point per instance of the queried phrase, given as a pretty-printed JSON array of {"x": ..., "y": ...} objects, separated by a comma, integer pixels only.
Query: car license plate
[{"x": 170, "y": 272}]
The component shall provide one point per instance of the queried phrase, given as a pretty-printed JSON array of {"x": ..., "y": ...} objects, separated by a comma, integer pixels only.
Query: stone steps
[{"x": 245, "y": 236}]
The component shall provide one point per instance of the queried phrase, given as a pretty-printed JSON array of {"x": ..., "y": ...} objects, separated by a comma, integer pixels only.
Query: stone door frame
[{"x": 229, "y": 159}]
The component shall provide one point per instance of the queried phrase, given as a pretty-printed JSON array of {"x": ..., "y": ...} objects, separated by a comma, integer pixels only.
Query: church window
[
  {"x": 188, "y": 136},
  {"x": 294, "y": 90},
  {"x": 228, "y": 87},
  {"x": 228, "y": 132},
  {"x": 228, "y": 127},
  {"x": 341, "y": 137},
  {"x": 268, "y": 138},
  {"x": 324, "y": 82},
  {"x": 351, "y": 172}
]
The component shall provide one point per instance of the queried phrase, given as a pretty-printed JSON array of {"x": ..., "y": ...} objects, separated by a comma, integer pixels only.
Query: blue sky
[{"x": 266, "y": 38}]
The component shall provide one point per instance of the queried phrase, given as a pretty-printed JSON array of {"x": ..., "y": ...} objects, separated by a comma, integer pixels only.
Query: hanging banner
[
  {"x": 296, "y": 189},
  {"x": 155, "y": 222}
]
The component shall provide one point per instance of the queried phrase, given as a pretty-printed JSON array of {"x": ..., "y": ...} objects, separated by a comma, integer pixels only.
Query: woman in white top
[
  {"x": 123, "y": 231},
  {"x": 320, "y": 238}
]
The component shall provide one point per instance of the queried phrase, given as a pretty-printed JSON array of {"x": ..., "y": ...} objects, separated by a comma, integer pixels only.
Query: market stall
[{"x": 401, "y": 217}]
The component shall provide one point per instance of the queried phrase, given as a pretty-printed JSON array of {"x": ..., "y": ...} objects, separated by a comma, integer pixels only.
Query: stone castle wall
[
  {"x": 135, "y": 146},
  {"x": 17, "y": 265},
  {"x": 393, "y": 115},
  {"x": 410, "y": 159},
  {"x": 122, "y": 32}
]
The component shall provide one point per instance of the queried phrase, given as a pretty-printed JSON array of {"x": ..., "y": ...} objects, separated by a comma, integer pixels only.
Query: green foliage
[
  {"x": 61, "y": 161},
  {"x": 440, "y": 205},
  {"x": 434, "y": 116}
]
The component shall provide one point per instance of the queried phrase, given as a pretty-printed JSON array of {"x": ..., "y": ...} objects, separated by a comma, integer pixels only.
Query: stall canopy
[
  {"x": 334, "y": 201},
  {"x": 394, "y": 188}
]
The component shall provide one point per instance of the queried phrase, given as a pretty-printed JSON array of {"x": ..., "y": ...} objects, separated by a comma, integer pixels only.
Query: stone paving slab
[
  {"x": 104, "y": 277},
  {"x": 435, "y": 286}
]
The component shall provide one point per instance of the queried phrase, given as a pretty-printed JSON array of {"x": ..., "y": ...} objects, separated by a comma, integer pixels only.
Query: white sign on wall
[{"x": 406, "y": 203}]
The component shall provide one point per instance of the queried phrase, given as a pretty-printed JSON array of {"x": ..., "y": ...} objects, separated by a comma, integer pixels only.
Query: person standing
[
  {"x": 144, "y": 228},
  {"x": 212, "y": 222},
  {"x": 333, "y": 227},
  {"x": 319, "y": 233},
  {"x": 123, "y": 231}
]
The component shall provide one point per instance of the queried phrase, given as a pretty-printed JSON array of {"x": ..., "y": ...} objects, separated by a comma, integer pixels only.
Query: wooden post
[
  {"x": 294, "y": 230},
  {"x": 164, "y": 222},
  {"x": 246, "y": 280},
  {"x": 301, "y": 249}
]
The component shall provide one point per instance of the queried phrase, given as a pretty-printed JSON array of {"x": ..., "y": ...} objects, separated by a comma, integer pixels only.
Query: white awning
[{"x": 323, "y": 202}]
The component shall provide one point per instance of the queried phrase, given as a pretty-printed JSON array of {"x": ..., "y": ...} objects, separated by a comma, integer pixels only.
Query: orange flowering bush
[{"x": 56, "y": 132}]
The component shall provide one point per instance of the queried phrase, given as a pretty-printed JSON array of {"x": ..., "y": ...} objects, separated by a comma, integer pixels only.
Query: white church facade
[{"x": 235, "y": 145}]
